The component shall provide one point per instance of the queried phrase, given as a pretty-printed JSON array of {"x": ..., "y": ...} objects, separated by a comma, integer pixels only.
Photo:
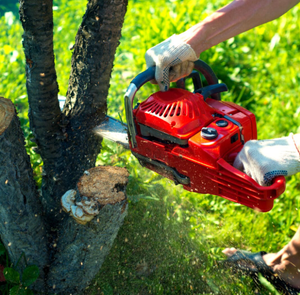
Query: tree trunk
[
  {"x": 68, "y": 253},
  {"x": 66, "y": 140},
  {"x": 21, "y": 224},
  {"x": 98, "y": 206}
]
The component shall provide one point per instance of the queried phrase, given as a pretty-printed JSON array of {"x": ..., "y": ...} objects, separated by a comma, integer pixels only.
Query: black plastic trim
[
  {"x": 148, "y": 131},
  {"x": 178, "y": 177}
]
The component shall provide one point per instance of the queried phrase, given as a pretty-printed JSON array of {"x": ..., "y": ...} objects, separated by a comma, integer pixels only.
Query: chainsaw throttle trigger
[
  {"x": 212, "y": 89},
  {"x": 196, "y": 81}
]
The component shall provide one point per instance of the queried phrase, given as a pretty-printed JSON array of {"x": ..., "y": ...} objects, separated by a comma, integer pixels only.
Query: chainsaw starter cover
[{"x": 177, "y": 112}]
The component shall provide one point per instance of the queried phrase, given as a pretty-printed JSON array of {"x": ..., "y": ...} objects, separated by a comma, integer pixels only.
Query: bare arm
[
  {"x": 233, "y": 19},
  {"x": 174, "y": 57}
]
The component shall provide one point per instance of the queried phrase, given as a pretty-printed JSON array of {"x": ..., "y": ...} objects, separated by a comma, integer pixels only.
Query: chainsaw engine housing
[{"x": 193, "y": 139}]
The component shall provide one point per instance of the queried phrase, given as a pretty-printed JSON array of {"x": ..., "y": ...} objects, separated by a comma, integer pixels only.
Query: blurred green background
[{"x": 171, "y": 241}]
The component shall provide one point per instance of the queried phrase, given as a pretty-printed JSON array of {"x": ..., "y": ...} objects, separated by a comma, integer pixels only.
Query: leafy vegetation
[
  {"x": 12, "y": 281},
  {"x": 171, "y": 241},
  {"x": 12, "y": 6}
]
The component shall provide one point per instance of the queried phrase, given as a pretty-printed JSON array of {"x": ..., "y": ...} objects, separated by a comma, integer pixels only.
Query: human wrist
[{"x": 195, "y": 37}]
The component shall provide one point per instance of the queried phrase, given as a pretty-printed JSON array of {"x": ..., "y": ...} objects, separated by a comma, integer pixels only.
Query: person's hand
[
  {"x": 263, "y": 160},
  {"x": 173, "y": 59}
]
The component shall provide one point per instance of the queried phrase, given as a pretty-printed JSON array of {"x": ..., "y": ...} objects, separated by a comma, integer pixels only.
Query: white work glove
[
  {"x": 173, "y": 59},
  {"x": 263, "y": 160}
]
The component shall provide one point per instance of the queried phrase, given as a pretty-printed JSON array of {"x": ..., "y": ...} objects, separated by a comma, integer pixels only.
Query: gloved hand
[
  {"x": 173, "y": 59},
  {"x": 263, "y": 160}
]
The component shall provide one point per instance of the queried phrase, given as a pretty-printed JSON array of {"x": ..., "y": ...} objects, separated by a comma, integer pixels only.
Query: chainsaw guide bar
[{"x": 113, "y": 130}]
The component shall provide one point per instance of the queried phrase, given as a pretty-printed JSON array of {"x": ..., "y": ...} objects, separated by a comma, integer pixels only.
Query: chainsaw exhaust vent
[{"x": 174, "y": 115}]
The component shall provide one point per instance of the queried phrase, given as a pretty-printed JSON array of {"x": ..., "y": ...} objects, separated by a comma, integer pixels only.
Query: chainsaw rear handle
[
  {"x": 277, "y": 187},
  {"x": 148, "y": 75}
]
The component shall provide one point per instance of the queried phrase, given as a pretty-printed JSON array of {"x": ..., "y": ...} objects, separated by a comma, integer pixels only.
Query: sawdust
[{"x": 104, "y": 184}]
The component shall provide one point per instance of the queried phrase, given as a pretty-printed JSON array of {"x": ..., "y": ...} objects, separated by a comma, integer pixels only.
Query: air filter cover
[{"x": 177, "y": 112}]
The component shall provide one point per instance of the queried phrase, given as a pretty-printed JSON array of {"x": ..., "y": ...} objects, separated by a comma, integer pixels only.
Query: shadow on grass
[{"x": 155, "y": 254}]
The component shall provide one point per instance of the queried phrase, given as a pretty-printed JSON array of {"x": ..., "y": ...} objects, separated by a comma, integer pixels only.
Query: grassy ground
[{"x": 171, "y": 241}]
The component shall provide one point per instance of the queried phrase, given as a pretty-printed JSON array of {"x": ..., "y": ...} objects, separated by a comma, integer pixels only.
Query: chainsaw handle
[
  {"x": 134, "y": 86},
  {"x": 144, "y": 77},
  {"x": 209, "y": 75},
  {"x": 149, "y": 75},
  {"x": 199, "y": 65},
  {"x": 277, "y": 187}
]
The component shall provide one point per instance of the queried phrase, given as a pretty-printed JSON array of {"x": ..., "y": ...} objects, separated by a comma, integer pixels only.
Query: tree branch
[
  {"x": 66, "y": 142},
  {"x": 92, "y": 61},
  {"x": 42, "y": 88}
]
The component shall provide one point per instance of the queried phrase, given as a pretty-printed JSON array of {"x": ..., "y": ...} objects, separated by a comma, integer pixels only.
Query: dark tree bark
[
  {"x": 99, "y": 202},
  {"x": 68, "y": 147},
  {"x": 67, "y": 143},
  {"x": 92, "y": 63},
  {"x": 42, "y": 89},
  {"x": 22, "y": 227}
]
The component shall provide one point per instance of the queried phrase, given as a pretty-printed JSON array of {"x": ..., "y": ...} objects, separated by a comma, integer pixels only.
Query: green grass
[{"x": 171, "y": 240}]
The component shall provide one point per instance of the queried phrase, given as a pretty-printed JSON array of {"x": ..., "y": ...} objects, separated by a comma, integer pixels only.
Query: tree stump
[
  {"x": 21, "y": 224},
  {"x": 97, "y": 208}
]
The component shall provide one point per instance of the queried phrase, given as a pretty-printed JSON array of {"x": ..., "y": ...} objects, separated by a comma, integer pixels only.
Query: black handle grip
[
  {"x": 144, "y": 77},
  {"x": 200, "y": 66},
  {"x": 211, "y": 90},
  {"x": 196, "y": 80},
  {"x": 209, "y": 75}
]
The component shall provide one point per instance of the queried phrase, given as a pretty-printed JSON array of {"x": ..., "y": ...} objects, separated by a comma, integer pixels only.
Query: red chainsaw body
[{"x": 195, "y": 141}]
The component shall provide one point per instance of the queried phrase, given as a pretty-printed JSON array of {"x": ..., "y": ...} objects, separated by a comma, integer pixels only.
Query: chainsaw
[{"x": 192, "y": 138}]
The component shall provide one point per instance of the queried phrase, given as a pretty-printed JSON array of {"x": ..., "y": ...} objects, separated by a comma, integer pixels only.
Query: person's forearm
[{"x": 233, "y": 19}]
